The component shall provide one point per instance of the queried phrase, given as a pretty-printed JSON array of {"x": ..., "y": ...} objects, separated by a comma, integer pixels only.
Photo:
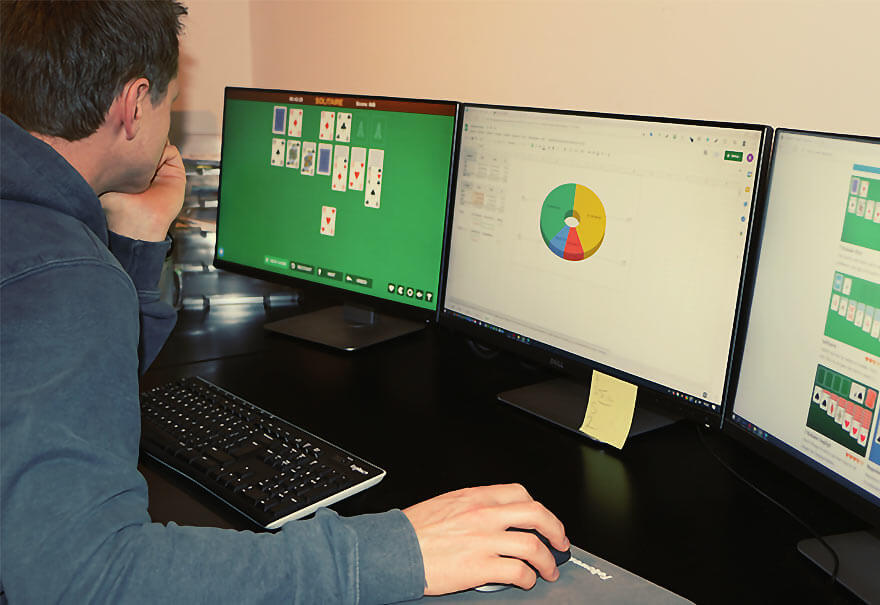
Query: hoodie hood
[{"x": 25, "y": 162}]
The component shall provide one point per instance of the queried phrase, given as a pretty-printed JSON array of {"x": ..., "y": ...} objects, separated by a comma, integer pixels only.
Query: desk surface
[{"x": 423, "y": 407}]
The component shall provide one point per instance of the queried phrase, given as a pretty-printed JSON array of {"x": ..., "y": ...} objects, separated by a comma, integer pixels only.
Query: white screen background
[{"x": 658, "y": 298}]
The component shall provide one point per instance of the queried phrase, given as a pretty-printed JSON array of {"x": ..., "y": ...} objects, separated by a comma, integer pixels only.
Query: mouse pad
[{"x": 583, "y": 579}]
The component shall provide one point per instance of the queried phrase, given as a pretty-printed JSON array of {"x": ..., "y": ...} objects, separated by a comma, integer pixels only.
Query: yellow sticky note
[{"x": 609, "y": 409}]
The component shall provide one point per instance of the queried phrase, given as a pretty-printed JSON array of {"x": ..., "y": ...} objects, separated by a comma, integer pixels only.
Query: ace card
[
  {"x": 340, "y": 168},
  {"x": 277, "y": 158},
  {"x": 328, "y": 220},
  {"x": 295, "y": 123},
  {"x": 375, "y": 165},
  {"x": 343, "y": 127},
  {"x": 358, "y": 167},
  {"x": 308, "y": 158},
  {"x": 325, "y": 133}
]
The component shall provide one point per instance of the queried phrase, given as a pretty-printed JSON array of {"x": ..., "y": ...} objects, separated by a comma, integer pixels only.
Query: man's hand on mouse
[
  {"x": 465, "y": 543},
  {"x": 148, "y": 215}
]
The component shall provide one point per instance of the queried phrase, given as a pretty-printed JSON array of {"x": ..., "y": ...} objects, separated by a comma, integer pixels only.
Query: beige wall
[{"x": 799, "y": 63}]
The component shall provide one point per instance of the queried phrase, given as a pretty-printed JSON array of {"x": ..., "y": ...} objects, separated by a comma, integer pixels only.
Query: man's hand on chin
[{"x": 148, "y": 215}]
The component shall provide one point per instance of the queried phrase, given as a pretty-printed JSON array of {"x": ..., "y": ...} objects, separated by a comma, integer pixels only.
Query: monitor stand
[
  {"x": 347, "y": 327},
  {"x": 564, "y": 402},
  {"x": 858, "y": 554}
]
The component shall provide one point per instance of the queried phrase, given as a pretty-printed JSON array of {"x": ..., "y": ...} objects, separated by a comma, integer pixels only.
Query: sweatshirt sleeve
[
  {"x": 143, "y": 262},
  {"x": 74, "y": 507}
]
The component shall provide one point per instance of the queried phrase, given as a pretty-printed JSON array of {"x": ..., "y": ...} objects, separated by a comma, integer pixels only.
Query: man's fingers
[
  {"x": 527, "y": 547},
  {"x": 525, "y": 515}
]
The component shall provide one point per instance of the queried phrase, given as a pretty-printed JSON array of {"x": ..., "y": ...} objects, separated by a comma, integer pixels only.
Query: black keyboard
[{"x": 268, "y": 469}]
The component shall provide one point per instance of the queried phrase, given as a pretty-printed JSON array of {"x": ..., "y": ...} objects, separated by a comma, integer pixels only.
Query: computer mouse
[{"x": 561, "y": 556}]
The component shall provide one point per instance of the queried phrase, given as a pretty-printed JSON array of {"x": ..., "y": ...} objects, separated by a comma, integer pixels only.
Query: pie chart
[{"x": 573, "y": 222}]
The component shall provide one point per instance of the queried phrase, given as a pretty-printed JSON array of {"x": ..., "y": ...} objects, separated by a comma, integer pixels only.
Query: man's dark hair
[{"x": 62, "y": 63}]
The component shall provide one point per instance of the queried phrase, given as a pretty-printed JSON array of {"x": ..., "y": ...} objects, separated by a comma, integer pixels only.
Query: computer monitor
[
  {"x": 807, "y": 395},
  {"x": 588, "y": 242},
  {"x": 347, "y": 194}
]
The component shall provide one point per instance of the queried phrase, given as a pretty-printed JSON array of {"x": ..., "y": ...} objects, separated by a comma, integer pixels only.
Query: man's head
[{"x": 62, "y": 63}]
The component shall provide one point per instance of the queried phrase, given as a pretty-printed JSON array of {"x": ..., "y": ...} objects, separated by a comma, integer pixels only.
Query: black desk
[{"x": 423, "y": 407}]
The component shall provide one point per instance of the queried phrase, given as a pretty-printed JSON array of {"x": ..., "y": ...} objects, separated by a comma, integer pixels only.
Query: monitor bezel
[
  {"x": 328, "y": 293},
  {"x": 782, "y": 455},
  {"x": 560, "y": 362}
]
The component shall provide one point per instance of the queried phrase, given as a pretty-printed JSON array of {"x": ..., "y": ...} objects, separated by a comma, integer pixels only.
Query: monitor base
[
  {"x": 345, "y": 327},
  {"x": 564, "y": 402},
  {"x": 858, "y": 553}
]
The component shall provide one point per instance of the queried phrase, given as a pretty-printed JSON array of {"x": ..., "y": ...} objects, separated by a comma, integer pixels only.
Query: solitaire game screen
[{"x": 345, "y": 191}]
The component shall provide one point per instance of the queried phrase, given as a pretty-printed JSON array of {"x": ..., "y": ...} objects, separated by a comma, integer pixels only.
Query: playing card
[
  {"x": 343, "y": 127},
  {"x": 817, "y": 394},
  {"x": 340, "y": 168},
  {"x": 279, "y": 118},
  {"x": 853, "y": 202},
  {"x": 869, "y": 210},
  {"x": 325, "y": 154},
  {"x": 357, "y": 168},
  {"x": 857, "y": 392},
  {"x": 373, "y": 191},
  {"x": 277, "y": 158},
  {"x": 835, "y": 301},
  {"x": 328, "y": 220},
  {"x": 308, "y": 158},
  {"x": 325, "y": 133},
  {"x": 855, "y": 428},
  {"x": 295, "y": 124},
  {"x": 293, "y": 148},
  {"x": 841, "y": 309}
]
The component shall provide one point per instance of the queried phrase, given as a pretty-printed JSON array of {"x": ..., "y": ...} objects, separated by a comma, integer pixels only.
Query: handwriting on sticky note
[{"x": 609, "y": 409}]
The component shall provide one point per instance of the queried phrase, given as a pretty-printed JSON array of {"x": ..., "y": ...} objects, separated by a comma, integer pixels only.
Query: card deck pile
[{"x": 279, "y": 117}]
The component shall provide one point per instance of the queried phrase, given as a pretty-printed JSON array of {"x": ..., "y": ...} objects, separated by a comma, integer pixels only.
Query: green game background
[
  {"x": 859, "y": 230},
  {"x": 839, "y": 328},
  {"x": 820, "y": 421},
  {"x": 275, "y": 211}
]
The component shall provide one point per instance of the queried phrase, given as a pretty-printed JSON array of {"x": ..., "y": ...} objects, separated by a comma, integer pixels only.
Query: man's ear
[{"x": 131, "y": 101}]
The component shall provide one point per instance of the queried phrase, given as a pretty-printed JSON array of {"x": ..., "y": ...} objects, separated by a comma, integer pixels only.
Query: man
[{"x": 89, "y": 187}]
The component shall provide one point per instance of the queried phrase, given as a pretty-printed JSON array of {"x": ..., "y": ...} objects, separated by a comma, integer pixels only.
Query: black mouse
[{"x": 561, "y": 556}]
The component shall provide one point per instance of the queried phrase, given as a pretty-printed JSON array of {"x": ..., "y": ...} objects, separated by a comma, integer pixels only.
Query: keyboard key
[{"x": 268, "y": 469}]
